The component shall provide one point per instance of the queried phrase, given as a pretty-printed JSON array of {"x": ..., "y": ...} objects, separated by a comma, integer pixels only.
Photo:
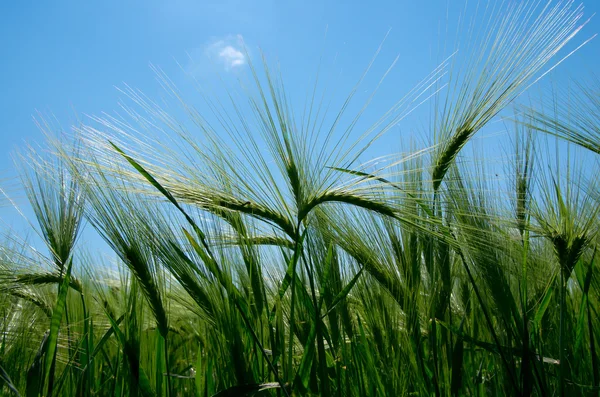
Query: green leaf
[
  {"x": 287, "y": 279},
  {"x": 539, "y": 314},
  {"x": 7, "y": 381},
  {"x": 303, "y": 374},
  {"x": 490, "y": 347},
  {"x": 107, "y": 335},
  {"x": 344, "y": 292},
  {"x": 159, "y": 187},
  {"x": 35, "y": 372},
  {"x": 580, "y": 329}
]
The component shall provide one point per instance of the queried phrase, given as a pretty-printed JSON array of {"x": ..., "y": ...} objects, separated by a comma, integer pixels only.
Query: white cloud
[
  {"x": 232, "y": 57},
  {"x": 226, "y": 53},
  {"x": 229, "y": 51}
]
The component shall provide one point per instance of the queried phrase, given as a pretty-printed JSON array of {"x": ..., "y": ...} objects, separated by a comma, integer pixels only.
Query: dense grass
[{"x": 261, "y": 256}]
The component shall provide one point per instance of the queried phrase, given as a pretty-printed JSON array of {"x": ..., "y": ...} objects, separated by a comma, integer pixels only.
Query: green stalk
[
  {"x": 57, "y": 314},
  {"x": 595, "y": 370},
  {"x": 167, "y": 366},
  {"x": 296, "y": 257},
  {"x": 324, "y": 389},
  {"x": 526, "y": 372},
  {"x": 561, "y": 347}
]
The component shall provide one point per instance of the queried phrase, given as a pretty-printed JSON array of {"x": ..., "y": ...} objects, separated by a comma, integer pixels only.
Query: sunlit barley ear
[{"x": 496, "y": 70}]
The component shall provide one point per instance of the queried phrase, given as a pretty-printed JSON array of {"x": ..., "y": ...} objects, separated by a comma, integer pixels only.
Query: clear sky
[{"x": 64, "y": 58}]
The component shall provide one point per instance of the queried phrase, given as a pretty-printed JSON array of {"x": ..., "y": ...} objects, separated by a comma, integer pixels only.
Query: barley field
[{"x": 253, "y": 248}]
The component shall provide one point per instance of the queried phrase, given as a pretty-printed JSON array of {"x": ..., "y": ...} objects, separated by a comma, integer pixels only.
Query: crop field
[{"x": 253, "y": 248}]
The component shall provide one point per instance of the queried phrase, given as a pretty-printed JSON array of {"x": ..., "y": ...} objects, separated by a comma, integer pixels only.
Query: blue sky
[{"x": 64, "y": 58}]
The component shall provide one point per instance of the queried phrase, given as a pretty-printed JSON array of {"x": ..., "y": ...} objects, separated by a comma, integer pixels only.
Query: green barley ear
[
  {"x": 521, "y": 171},
  {"x": 57, "y": 201},
  {"x": 502, "y": 62},
  {"x": 446, "y": 157},
  {"x": 566, "y": 215}
]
